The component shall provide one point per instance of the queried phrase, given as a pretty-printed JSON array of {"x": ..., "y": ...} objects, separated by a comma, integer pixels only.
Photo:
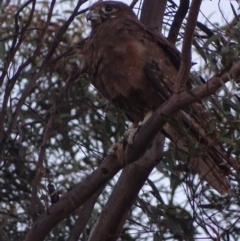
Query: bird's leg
[
  {"x": 133, "y": 131},
  {"x": 146, "y": 117},
  {"x": 130, "y": 134},
  {"x": 120, "y": 148}
]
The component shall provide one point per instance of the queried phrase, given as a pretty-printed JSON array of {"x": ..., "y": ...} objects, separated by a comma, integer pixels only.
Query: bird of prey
[{"x": 136, "y": 70}]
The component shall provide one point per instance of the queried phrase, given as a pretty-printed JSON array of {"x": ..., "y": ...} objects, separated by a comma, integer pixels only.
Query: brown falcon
[{"x": 136, "y": 70}]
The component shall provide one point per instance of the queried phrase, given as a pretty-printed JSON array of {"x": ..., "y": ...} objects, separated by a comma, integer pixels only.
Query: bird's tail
[{"x": 202, "y": 150}]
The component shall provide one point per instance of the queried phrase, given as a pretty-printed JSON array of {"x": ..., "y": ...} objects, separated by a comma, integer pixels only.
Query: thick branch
[
  {"x": 83, "y": 217},
  {"x": 74, "y": 199},
  {"x": 125, "y": 192},
  {"x": 183, "y": 73}
]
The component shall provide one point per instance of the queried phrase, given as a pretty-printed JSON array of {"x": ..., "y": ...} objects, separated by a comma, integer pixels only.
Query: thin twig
[
  {"x": 17, "y": 42},
  {"x": 44, "y": 64},
  {"x": 133, "y": 3}
]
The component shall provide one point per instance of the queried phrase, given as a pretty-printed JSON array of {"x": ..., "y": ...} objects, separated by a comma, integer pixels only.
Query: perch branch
[
  {"x": 125, "y": 193},
  {"x": 110, "y": 166}
]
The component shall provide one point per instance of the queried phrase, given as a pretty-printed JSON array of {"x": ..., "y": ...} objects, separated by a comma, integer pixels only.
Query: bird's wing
[{"x": 191, "y": 127}]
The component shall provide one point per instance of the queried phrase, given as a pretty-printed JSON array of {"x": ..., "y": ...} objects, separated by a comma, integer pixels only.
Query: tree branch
[
  {"x": 183, "y": 73},
  {"x": 177, "y": 21},
  {"x": 125, "y": 192},
  {"x": 37, "y": 75},
  {"x": 83, "y": 217},
  {"x": 74, "y": 199},
  {"x": 110, "y": 166},
  {"x": 133, "y": 3},
  {"x": 178, "y": 101},
  {"x": 152, "y": 14}
]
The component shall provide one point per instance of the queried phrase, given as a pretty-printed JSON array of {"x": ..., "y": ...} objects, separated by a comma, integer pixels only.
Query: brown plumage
[{"x": 136, "y": 70}]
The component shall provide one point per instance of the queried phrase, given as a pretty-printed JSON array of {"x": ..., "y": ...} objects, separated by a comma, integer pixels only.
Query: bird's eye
[{"x": 108, "y": 9}]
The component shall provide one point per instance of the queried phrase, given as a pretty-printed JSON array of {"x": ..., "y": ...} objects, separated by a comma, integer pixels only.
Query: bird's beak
[{"x": 92, "y": 15}]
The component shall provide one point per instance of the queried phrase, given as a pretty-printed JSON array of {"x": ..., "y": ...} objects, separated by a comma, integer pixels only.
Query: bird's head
[{"x": 101, "y": 12}]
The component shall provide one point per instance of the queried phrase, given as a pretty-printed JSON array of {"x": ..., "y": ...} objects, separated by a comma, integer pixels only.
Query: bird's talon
[
  {"x": 119, "y": 149},
  {"x": 121, "y": 153}
]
